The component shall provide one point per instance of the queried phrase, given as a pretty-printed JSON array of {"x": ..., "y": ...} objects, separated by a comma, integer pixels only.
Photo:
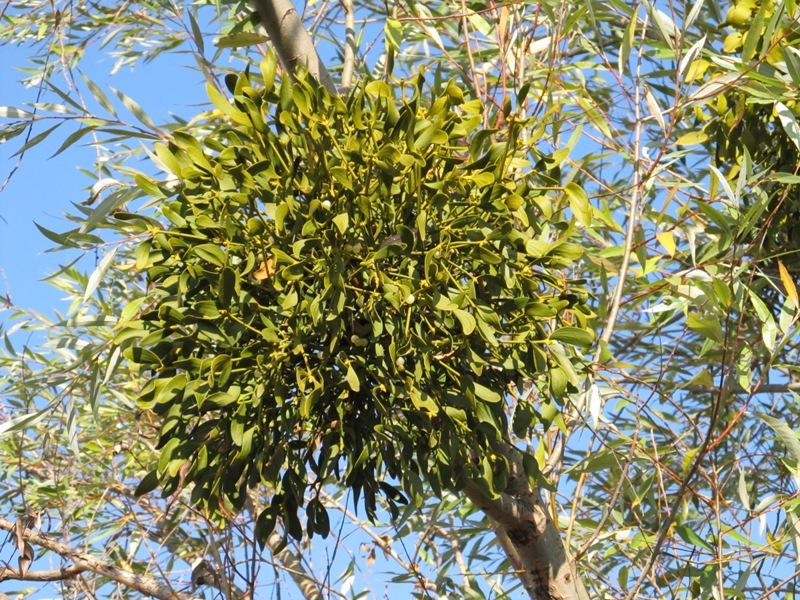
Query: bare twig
[{"x": 61, "y": 574}]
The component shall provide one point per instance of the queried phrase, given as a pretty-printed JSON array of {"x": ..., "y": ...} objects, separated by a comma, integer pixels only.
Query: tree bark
[
  {"x": 529, "y": 536},
  {"x": 291, "y": 41}
]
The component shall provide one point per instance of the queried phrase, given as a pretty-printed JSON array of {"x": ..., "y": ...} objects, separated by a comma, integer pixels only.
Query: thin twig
[{"x": 61, "y": 574}]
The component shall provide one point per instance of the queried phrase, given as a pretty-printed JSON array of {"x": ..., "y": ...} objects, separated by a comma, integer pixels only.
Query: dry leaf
[
  {"x": 667, "y": 240},
  {"x": 788, "y": 284},
  {"x": 19, "y": 528},
  {"x": 25, "y": 559},
  {"x": 266, "y": 270}
]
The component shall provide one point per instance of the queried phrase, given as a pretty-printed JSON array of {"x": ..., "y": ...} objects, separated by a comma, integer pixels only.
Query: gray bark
[
  {"x": 289, "y": 561},
  {"x": 291, "y": 41},
  {"x": 528, "y": 535}
]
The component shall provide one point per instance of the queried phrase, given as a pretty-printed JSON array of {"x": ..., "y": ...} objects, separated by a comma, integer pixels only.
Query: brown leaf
[
  {"x": 19, "y": 528},
  {"x": 266, "y": 270},
  {"x": 25, "y": 559}
]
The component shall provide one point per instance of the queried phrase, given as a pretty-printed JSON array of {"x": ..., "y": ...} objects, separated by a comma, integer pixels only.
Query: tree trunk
[{"x": 529, "y": 536}]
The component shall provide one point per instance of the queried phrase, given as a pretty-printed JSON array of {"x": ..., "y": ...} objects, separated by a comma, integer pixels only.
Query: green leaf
[
  {"x": 241, "y": 40},
  {"x": 36, "y": 139},
  {"x": 210, "y": 253},
  {"x": 466, "y": 320},
  {"x": 579, "y": 203},
  {"x": 220, "y": 371},
  {"x": 135, "y": 109},
  {"x": 573, "y": 336},
  {"x": 352, "y": 379},
  {"x": 265, "y": 525},
  {"x": 689, "y": 536},
  {"x": 691, "y": 138},
  {"x": 62, "y": 239},
  {"x": 789, "y": 122},
  {"x": 97, "y": 275},
  {"x": 24, "y": 421},
  {"x": 141, "y": 356},
  {"x": 558, "y": 382},
  {"x": 709, "y": 327},
  {"x": 485, "y": 393},
  {"x": 341, "y": 175},
  {"x": 664, "y": 25},
  {"x": 167, "y": 159},
  {"x": 394, "y": 33},
  {"x": 148, "y": 483},
  {"x": 227, "y": 283},
  {"x": 341, "y": 221},
  {"x": 423, "y": 401},
  {"x": 9, "y": 112},
  {"x": 221, "y": 399},
  {"x": 786, "y": 434},
  {"x": 99, "y": 95},
  {"x": 379, "y": 89},
  {"x": 627, "y": 42},
  {"x": 72, "y": 138},
  {"x": 197, "y": 35}
]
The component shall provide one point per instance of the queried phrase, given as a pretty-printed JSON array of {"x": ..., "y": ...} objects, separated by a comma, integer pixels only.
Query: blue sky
[{"x": 43, "y": 188}]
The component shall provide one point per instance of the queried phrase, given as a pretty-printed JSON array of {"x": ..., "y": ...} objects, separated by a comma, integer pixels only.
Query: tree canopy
[{"x": 516, "y": 283}]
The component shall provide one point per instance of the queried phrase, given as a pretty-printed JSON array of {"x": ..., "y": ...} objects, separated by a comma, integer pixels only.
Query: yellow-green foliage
[{"x": 346, "y": 288}]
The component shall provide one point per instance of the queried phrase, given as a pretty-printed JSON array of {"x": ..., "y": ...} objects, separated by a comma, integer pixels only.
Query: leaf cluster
[{"x": 345, "y": 290}]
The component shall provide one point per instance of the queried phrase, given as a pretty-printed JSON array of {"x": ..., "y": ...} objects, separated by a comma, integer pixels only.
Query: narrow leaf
[
  {"x": 786, "y": 434},
  {"x": 197, "y": 35},
  {"x": 690, "y": 18},
  {"x": 99, "y": 95},
  {"x": 241, "y": 40},
  {"x": 652, "y": 106},
  {"x": 72, "y": 138},
  {"x": 135, "y": 109},
  {"x": 24, "y": 421},
  {"x": 789, "y": 123},
  {"x": 788, "y": 284},
  {"x": 9, "y": 112}
]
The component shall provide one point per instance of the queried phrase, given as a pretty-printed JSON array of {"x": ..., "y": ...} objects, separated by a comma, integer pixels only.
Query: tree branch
[
  {"x": 290, "y": 562},
  {"x": 85, "y": 562},
  {"x": 53, "y": 575},
  {"x": 291, "y": 41},
  {"x": 528, "y": 535},
  {"x": 349, "y": 45}
]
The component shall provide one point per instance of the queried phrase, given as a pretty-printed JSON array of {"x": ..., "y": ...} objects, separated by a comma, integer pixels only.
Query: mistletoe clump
[{"x": 349, "y": 289}]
